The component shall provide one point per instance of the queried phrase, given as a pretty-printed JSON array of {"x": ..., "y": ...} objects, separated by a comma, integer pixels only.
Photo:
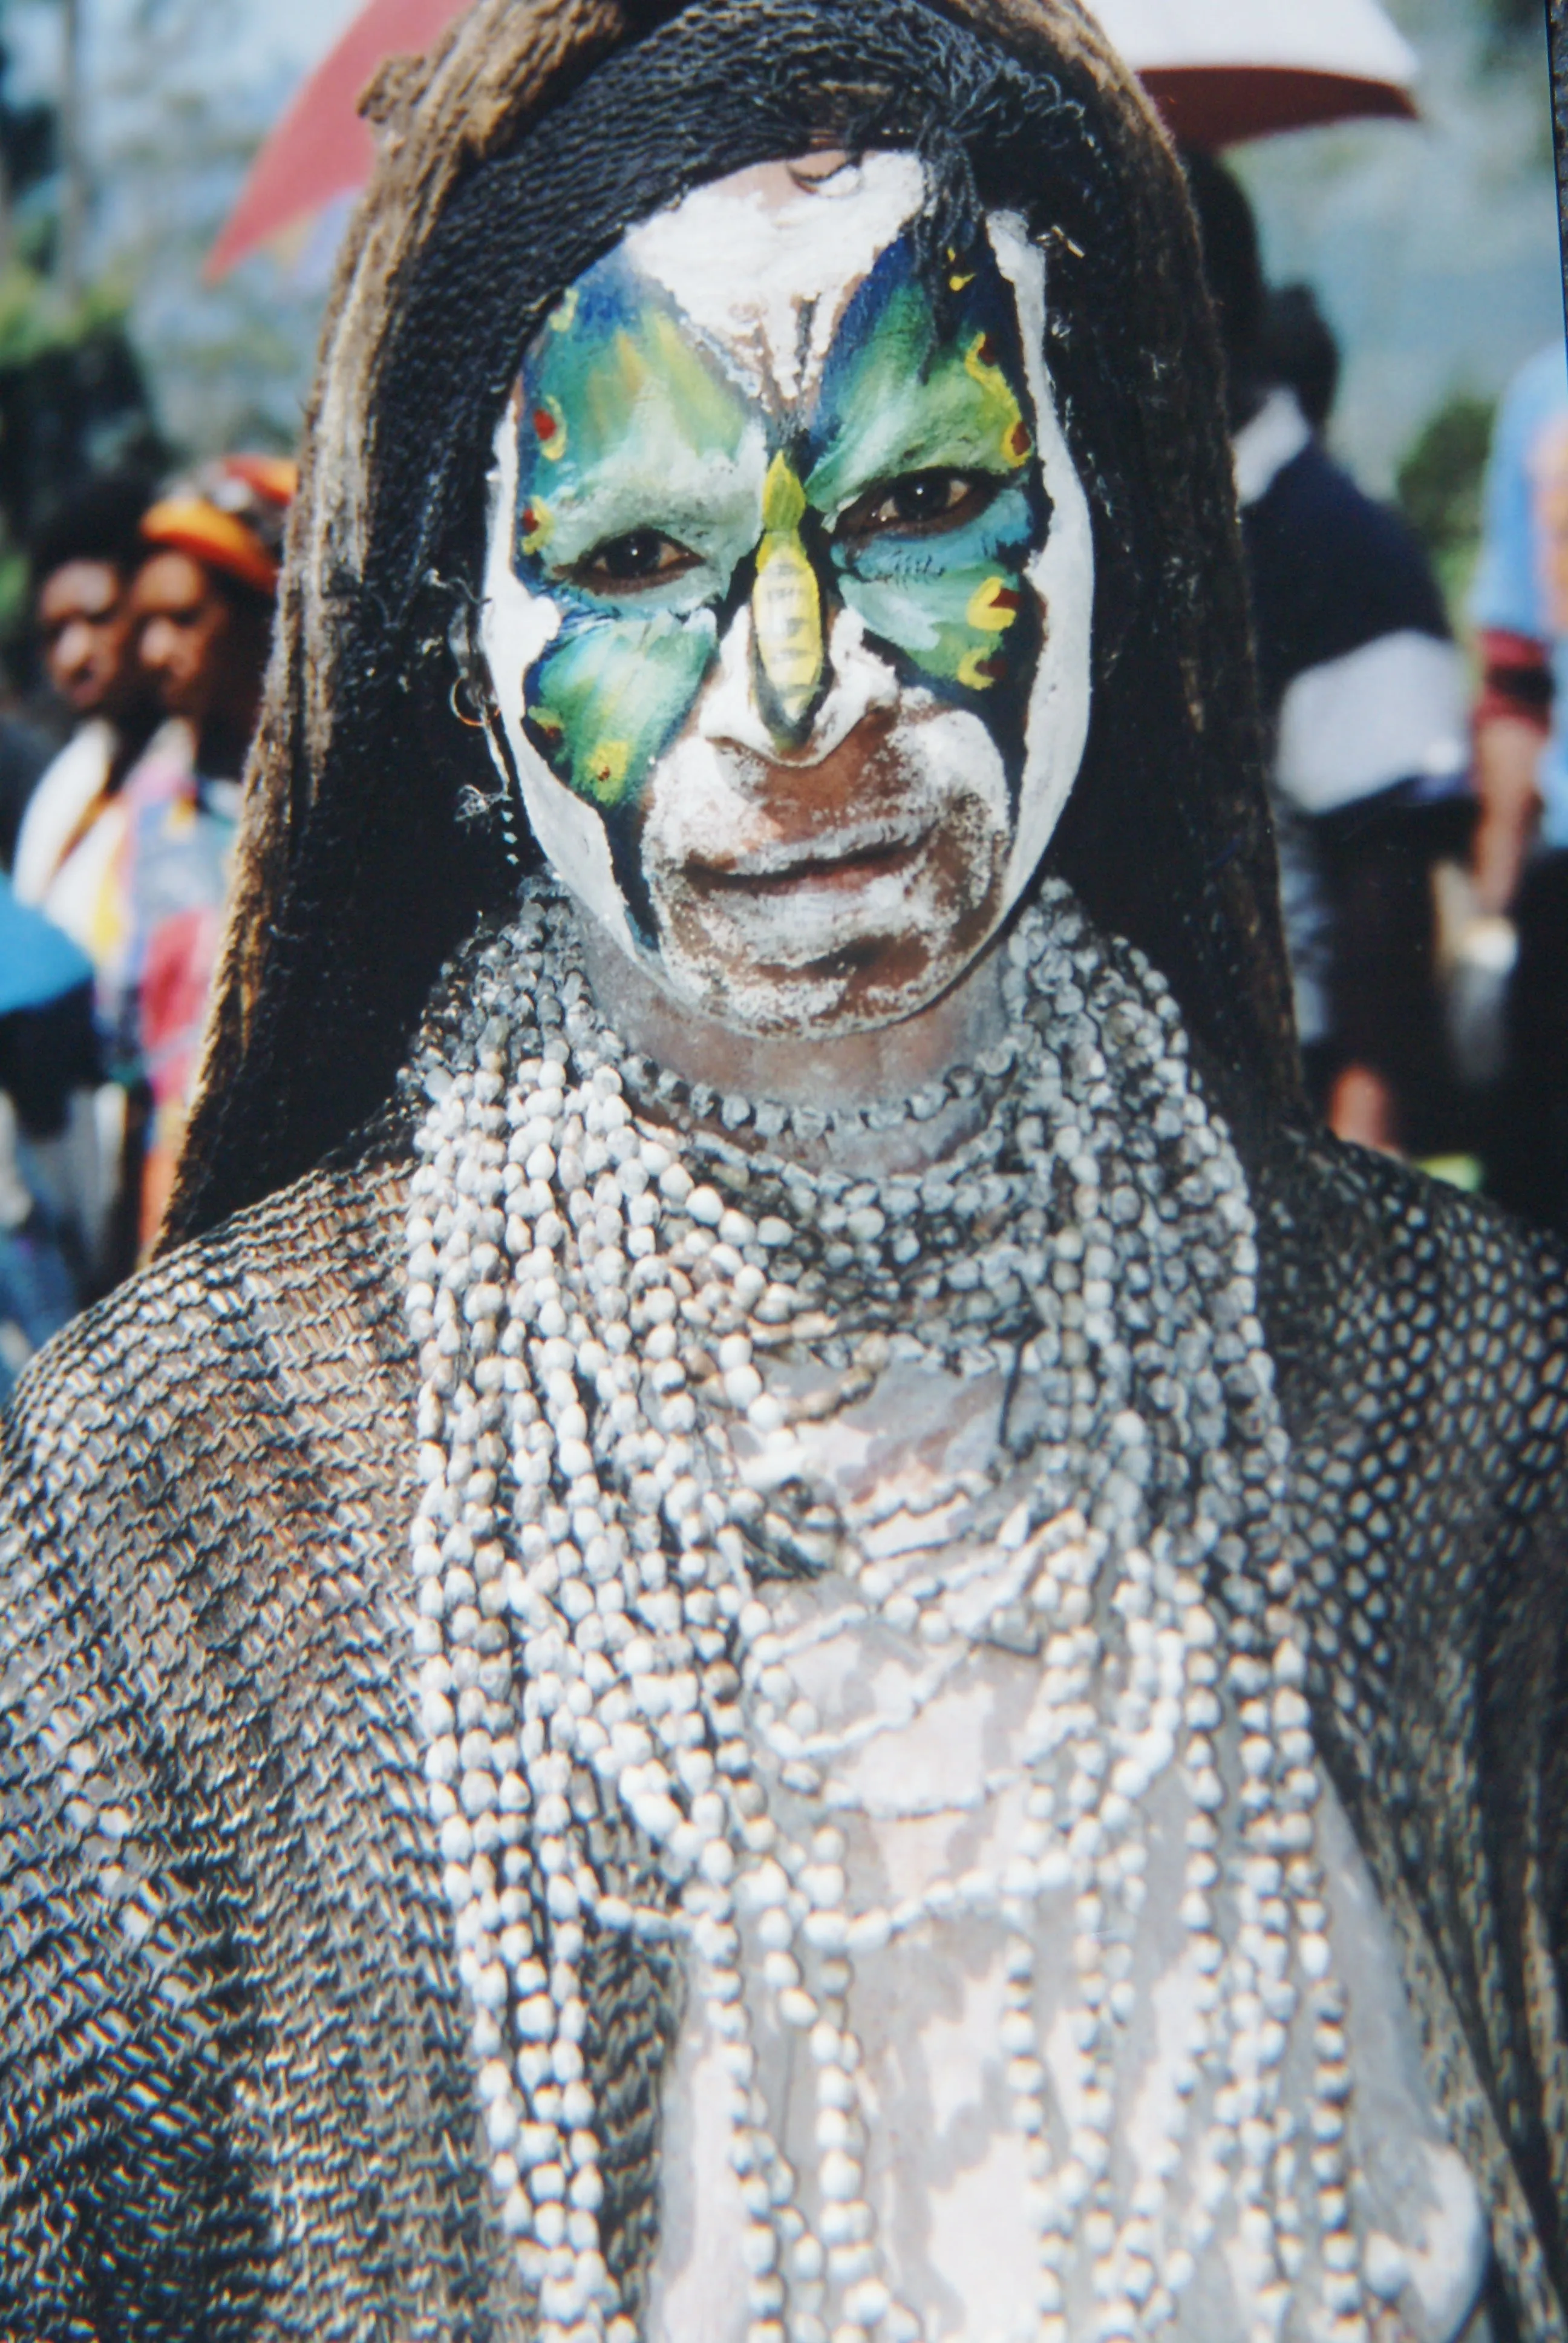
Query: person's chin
[{"x": 864, "y": 977}]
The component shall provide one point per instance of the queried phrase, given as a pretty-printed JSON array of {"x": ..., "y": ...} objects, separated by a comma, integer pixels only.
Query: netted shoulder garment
[{"x": 236, "y": 2097}]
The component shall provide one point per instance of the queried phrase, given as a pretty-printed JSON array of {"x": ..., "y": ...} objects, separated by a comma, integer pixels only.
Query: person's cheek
[
  {"x": 951, "y": 604},
  {"x": 959, "y": 627},
  {"x": 609, "y": 695}
]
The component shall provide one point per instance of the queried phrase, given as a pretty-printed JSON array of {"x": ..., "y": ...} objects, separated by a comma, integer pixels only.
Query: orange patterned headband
[{"x": 187, "y": 523}]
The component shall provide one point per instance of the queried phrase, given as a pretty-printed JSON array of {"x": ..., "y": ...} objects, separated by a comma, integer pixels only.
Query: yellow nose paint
[{"x": 785, "y": 606}]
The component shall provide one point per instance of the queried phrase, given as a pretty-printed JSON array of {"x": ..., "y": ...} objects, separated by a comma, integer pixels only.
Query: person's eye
[
  {"x": 632, "y": 563},
  {"x": 921, "y": 504}
]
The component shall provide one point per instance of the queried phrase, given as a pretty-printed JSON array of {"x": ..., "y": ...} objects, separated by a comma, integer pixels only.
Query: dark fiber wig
[{"x": 379, "y": 849}]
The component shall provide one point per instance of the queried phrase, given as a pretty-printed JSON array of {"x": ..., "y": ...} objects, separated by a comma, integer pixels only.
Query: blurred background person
[
  {"x": 1519, "y": 935},
  {"x": 1363, "y": 692},
  {"x": 82, "y": 566},
  {"x": 203, "y": 601},
  {"x": 1299, "y": 352},
  {"x": 202, "y": 605},
  {"x": 70, "y": 844},
  {"x": 161, "y": 642},
  {"x": 26, "y": 751}
]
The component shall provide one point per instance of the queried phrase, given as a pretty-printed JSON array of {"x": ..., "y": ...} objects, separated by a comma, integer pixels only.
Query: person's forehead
[
  {"x": 767, "y": 261},
  {"x": 170, "y": 585},
  {"x": 80, "y": 590},
  {"x": 762, "y": 264}
]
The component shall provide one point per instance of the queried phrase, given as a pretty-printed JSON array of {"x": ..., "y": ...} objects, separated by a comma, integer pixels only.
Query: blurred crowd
[
  {"x": 1420, "y": 793},
  {"x": 153, "y": 615},
  {"x": 1420, "y": 788}
]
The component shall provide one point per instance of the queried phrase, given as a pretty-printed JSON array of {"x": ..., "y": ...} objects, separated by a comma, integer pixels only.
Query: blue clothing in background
[
  {"x": 38, "y": 962},
  {"x": 37, "y": 1295},
  {"x": 1365, "y": 693},
  {"x": 1522, "y": 583},
  {"x": 47, "y": 1049}
]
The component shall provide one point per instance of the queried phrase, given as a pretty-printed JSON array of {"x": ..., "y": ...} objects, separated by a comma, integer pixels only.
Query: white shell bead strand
[{"x": 617, "y": 1738}]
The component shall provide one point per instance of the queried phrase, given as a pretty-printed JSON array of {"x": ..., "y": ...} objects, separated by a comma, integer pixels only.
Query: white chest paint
[{"x": 930, "y": 1786}]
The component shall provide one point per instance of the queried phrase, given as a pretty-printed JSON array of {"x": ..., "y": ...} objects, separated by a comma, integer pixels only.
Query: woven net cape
[
  {"x": 237, "y": 2093},
  {"x": 236, "y": 2097}
]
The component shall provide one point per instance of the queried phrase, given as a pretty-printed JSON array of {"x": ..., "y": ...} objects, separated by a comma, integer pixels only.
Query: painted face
[{"x": 788, "y": 594}]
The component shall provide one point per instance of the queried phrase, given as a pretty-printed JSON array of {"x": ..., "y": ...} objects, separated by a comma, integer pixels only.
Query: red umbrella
[
  {"x": 1224, "y": 70},
  {"x": 322, "y": 148},
  {"x": 1220, "y": 70}
]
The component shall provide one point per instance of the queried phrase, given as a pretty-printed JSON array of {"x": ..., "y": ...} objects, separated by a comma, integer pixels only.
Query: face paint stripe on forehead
[{"x": 796, "y": 262}]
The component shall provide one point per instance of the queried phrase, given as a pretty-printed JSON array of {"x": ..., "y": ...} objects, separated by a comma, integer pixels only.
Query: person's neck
[
  {"x": 133, "y": 728},
  {"x": 825, "y": 1072}
]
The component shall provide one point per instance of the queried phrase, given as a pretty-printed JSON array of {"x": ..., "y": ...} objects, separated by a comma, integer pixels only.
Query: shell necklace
[{"x": 602, "y": 1266}]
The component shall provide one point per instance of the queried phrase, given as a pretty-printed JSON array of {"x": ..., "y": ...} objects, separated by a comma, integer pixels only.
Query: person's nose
[
  {"x": 157, "y": 646},
  {"x": 795, "y": 675},
  {"x": 73, "y": 649},
  {"x": 789, "y": 647}
]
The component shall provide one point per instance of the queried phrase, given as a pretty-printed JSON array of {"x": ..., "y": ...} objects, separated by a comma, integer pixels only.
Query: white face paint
[
  {"x": 765, "y": 268},
  {"x": 788, "y": 595}
]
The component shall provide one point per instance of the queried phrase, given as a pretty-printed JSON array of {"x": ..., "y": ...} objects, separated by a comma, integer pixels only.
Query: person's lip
[{"x": 841, "y": 863}]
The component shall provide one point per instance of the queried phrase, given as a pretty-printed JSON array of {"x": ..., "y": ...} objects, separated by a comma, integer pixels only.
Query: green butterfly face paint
[
  {"x": 778, "y": 507},
  {"x": 639, "y": 478},
  {"x": 934, "y": 566}
]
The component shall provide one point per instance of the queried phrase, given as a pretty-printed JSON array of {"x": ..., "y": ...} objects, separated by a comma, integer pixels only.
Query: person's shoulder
[
  {"x": 1435, "y": 1289},
  {"x": 1324, "y": 496},
  {"x": 1337, "y": 569},
  {"x": 1469, "y": 1233},
  {"x": 1539, "y": 389},
  {"x": 64, "y": 789},
  {"x": 25, "y": 754},
  {"x": 278, "y": 1332},
  {"x": 1533, "y": 404},
  {"x": 80, "y": 764}
]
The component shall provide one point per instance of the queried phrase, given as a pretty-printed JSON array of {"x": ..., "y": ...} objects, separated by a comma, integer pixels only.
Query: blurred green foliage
[
  {"x": 34, "y": 323},
  {"x": 34, "y": 318},
  {"x": 1438, "y": 487},
  {"x": 1515, "y": 19}
]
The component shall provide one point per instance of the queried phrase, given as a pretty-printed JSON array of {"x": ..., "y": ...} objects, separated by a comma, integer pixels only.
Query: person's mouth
[{"x": 842, "y": 864}]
